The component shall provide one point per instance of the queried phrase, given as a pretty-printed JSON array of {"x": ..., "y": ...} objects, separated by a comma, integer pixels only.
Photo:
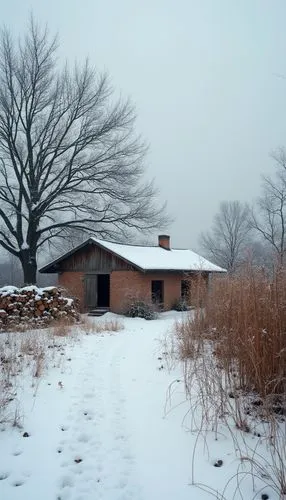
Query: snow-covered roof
[
  {"x": 150, "y": 258},
  {"x": 147, "y": 258}
]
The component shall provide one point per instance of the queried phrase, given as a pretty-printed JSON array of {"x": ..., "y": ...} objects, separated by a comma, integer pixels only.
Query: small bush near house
[
  {"x": 181, "y": 305},
  {"x": 140, "y": 309}
]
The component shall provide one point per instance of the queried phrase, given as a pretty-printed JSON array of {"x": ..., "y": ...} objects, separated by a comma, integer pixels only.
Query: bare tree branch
[
  {"x": 227, "y": 239},
  {"x": 70, "y": 159},
  {"x": 269, "y": 217}
]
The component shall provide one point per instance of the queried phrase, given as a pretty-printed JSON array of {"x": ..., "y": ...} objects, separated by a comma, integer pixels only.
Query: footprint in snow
[
  {"x": 17, "y": 452},
  {"x": 66, "y": 482},
  {"x": 120, "y": 437},
  {"x": 84, "y": 438},
  {"x": 4, "y": 475},
  {"x": 76, "y": 470},
  {"x": 128, "y": 457},
  {"x": 17, "y": 482},
  {"x": 64, "y": 428},
  {"x": 65, "y": 464},
  {"x": 89, "y": 395},
  {"x": 90, "y": 418},
  {"x": 65, "y": 495}
]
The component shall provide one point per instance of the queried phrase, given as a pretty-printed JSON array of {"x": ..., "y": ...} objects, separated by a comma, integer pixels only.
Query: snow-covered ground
[{"x": 106, "y": 420}]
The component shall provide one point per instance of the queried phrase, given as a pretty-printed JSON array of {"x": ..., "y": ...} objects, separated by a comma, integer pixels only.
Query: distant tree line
[{"x": 241, "y": 234}]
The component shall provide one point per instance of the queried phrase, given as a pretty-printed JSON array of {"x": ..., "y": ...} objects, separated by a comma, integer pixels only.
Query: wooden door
[{"x": 90, "y": 291}]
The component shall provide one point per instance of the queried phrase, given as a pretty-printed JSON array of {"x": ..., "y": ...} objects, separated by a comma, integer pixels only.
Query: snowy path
[
  {"x": 95, "y": 432},
  {"x": 101, "y": 426},
  {"x": 102, "y": 435}
]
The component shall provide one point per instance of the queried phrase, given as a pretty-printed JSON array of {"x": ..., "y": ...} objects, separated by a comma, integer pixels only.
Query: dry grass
[
  {"x": 234, "y": 352},
  {"x": 245, "y": 319},
  {"x": 63, "y": 328},
  {"x": 90, "y": 326},
  {"x": 28, "y": 354},
  {"x": 248, "y": 314}
]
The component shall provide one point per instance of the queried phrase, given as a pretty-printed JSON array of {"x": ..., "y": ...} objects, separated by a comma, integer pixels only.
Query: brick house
[{"x": 107, "y": 275}]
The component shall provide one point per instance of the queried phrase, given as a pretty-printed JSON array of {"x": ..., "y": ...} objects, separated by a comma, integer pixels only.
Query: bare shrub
[
  {"x": 39, "y": 364},
  {"x": 63, "y": 328},
  {"x": 169, "y": 350},
  {"x": 6, "y": 396},
  {"x": 234, "y": 353},
  {"x": 248, "y": 314},
  {"x": 111, "y": 325},
  {"x": 27, "y": 355},
  {"x": 244, "y": 318},
  {"x": 188, "y": 343}
]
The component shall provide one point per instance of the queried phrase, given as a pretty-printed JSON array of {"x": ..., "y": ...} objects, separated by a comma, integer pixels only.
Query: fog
[{"x": 208, "y": 79}]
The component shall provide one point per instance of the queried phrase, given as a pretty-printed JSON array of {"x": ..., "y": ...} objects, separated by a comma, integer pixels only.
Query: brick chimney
[{"x": 164, "y": 241}]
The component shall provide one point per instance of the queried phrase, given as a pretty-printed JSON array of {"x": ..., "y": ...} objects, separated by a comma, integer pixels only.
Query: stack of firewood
[{"x": 32, "y": 305}]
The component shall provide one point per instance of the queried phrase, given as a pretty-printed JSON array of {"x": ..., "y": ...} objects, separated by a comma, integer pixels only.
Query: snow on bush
[{"x": 139, "y": 308}]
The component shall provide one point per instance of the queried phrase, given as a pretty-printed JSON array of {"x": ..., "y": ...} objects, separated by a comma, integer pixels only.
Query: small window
[
  {"x": 157, "y": 290},
  {"x": 185, "y": 290}
]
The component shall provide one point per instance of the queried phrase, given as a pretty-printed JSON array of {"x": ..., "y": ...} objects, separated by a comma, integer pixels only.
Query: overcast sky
[{"x": 208, "y": 78}]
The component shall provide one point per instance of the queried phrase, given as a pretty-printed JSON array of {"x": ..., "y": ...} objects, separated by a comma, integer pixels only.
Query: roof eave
[
  {"x": 45, "y": 269},
  {"x": 184, "y": 270},
  {"x": 50, "y": 268}
]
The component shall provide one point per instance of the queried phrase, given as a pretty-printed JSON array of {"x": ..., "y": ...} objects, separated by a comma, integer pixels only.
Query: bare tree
[
  {"x": 69, "y": 158},
  {"x": 227, "y": 239},
  {"x": 258, "y": 253},
  {"x": 269, "y": 218}
]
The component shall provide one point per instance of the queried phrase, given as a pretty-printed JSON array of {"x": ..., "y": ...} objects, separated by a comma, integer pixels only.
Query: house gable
[{"x": 89, "y": 257}]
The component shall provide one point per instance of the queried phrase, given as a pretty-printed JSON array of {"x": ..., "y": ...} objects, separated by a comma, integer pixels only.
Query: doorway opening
[
  {"x": 157, "y": 290},
  {"x": 103, "y": 290}
]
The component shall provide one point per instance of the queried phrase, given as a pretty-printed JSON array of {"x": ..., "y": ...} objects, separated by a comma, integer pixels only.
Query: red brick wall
[
  {"x": 72, "y": 281},
  {"x": 127, "y": 284}
]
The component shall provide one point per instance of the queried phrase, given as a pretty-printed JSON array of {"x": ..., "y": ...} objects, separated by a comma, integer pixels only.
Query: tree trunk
[{"x": 29, "y": 266}]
